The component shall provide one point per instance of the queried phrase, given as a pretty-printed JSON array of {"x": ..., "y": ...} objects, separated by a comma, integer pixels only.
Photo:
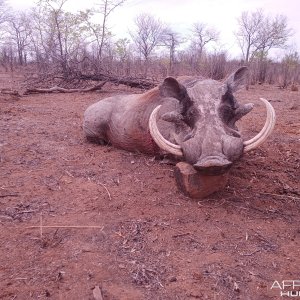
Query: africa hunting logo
[{"x": 287, "y": 288}]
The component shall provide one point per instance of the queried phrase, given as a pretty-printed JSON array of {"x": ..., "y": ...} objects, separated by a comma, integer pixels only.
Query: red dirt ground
[{"x": 148, "y": 240}]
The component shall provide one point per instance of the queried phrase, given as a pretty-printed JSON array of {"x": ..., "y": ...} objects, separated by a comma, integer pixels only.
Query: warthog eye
[
  {"x": 227, "y": 107},
  {"x": 191, "y": 117},
  {"x": 229, "y": 99},
  {"x": 226, "y": 113}
]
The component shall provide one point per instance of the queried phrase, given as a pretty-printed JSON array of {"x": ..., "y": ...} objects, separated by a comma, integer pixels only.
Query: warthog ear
[
  {"x": 236, "y": 80},
  {"x": 172, "y": 88}
]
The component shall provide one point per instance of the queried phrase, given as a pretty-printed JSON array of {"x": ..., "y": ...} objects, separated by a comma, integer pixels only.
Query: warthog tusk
[
  {"x": 161, "y": 142},
  {"x": 265, "y": 132}
]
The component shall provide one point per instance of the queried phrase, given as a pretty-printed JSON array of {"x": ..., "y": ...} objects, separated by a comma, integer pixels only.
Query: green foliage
[
  {"x": 291, "y": 60},
  {"x": 122, "y": 48},
  {"x": 260, "y": 54}
]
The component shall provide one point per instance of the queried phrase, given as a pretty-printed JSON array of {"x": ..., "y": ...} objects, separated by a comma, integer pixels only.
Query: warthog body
[{"x": 190, "y": 117}]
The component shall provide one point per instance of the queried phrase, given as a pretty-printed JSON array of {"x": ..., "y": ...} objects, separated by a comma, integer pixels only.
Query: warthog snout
[{"x": 213, "y": 165}]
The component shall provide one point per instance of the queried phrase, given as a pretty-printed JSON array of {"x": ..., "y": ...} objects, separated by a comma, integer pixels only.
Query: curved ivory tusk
[
  {"x": 159, "y": 139},
  {"x": 265, "y": 132}
]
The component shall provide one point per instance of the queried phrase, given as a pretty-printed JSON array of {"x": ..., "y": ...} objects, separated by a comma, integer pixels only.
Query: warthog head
[{"x": 205, "y": 132}]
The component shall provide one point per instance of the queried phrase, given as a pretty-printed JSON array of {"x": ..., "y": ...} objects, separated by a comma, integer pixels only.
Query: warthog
[{"x": 190, "y": 117}]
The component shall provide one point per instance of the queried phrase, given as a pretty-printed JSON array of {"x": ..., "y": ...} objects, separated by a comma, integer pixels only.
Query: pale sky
[{"x": 181, "y": 14}]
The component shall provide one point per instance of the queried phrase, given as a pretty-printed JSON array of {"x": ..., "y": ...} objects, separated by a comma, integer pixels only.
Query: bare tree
[
  {"x": 171, "y": 40},
  {"x": 248, "y": 32},
  {"x": 99, "y": 32},
  {"x": 203, "y": 35},
  {"x": 273, "y": 34},
  {"x": 41, "y": 38},
  {"x": 51, "y": 16},
  {"x": 58, "y": 36},
  {"x": 147, "y": 36},
  {"x": 258, "y": 33},
  {"x": 4, "y": 55},
  {"x": 106, "y": 8},
  {"x": 19, "y": 32},
  {"x": 3, "y": 11}
]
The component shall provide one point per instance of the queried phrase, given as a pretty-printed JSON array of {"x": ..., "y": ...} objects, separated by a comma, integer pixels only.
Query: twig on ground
[
  {"x": 65, "y": 226},
  {"x": 9, "y": 92},
  {"x": 71, "y": 160},
  {"x": 107, "y": 191},
  {"x": 282, "y": 196},
  {"x": 27, "y": 211},
  {"x": 180, "y": 234},
  {"x": 69, "y": 173},
  {"x": 41, "y": 227},
  {"x": 92, "y": 157},
  {"x": 249, "y": 254},
  {"x": 9, "y": 195}
]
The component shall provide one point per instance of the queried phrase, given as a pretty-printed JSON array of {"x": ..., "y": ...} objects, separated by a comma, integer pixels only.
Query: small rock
[
  {"x": 196, "y": 185},
  {"x": 236, "y": 287}
]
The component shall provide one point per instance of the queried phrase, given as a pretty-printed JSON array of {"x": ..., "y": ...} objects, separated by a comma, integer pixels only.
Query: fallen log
[
  {"x": 128, "y": 81},
  {"x": 57, "y": 89}
]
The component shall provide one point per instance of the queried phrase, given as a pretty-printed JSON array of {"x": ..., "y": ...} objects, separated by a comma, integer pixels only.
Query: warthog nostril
[{"x": 213, "y": 165}]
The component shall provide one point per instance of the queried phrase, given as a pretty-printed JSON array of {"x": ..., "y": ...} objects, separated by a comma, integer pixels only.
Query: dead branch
[
  {"x": 10, "y": 92},
  {"x": 106, "y": 189},
  {"x": 64, "y": 226},
  {"x": 180, "y": 234},
  {"x": 9, "y": 195},
  {"x": 129, "y": 81},
  {"x": 57, "y": 89}
]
